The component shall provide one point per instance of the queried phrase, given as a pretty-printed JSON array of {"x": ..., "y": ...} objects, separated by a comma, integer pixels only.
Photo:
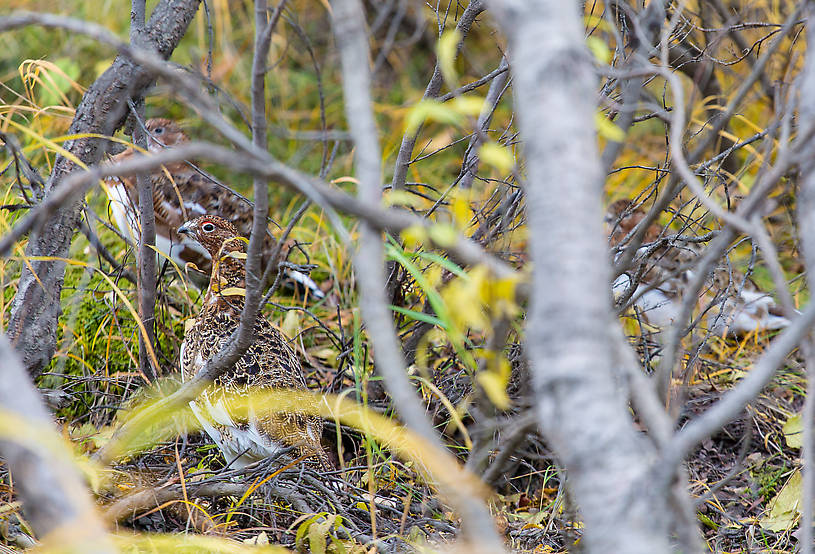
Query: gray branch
[
  {"x": 806, "y": 232},
  {"x": 147, "y": 217},
  {"x": 459, "y": 248},
  {"x": 53, "y": 493},
  {"x": 36, "y": 307},
  {"x": 369, "y": 263},
  {"x": 570, "y": 338}
]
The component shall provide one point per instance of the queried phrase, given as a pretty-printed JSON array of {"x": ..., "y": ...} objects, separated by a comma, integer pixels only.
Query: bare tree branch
[
  {"x": 147, "y": 217},
  {"x": 392, "y": 220},
  {"x": 806, "y": 232},
  {"x": 349, "y": 32},
  {"x": 569, "y": 339},
  {"x": 242, "y": 337},
  {"x": 35, "y": 309},
  {"x": 400, "y": 168},
  {"x": 734, "y": 401}
]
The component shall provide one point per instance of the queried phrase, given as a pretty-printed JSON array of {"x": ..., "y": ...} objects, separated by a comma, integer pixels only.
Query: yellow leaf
[
  {"x": 401, "y": 198},
  {"x": 346, "y": 179},
  {"x": 433, "y": 274},
  {"x": 233, "y": 291},
  {"x": 443, "y": 234},
  {"x": 495, "y": 387},
  {"x": 432, "y": 110},
  {"x": 497, "y": 156},
  {"x": 261, "y": 539},
  {"x": 465, "y": 296},
  {"x": 469, "y": 105},
  {"x": 599, "y": 49},
  {"x": 461, "y": 210},
  {"x": 793, "y": 431},
  {"x": 504, "y": 369},
  {"x": 188, "y": 325},
  {"x": 414, "y": 236},
  {"x": 785, "y": 507},
  {"x": 316, "y": 537},
  {"x": 502, "y": 292},
  {"x": 534, "y": 520},
  {"x": 607, "y": 129},
  {"x": 101, "y": 66},
  {"x": 291, "y": 323},
  {"x": 446, "y": 53},
  {"x": 504, "y": 289},
  {"x": 329, "y": 355}
]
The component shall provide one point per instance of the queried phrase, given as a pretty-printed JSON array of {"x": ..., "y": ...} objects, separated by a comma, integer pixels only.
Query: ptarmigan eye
[
  {"x": 158, "y": 130},
  {"x": 208, "y": 227}
]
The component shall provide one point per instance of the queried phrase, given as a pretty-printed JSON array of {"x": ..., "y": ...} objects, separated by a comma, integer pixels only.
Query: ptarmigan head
[
  {"x": 214, "y": 233},
  {"x": 162, "y": 133}
]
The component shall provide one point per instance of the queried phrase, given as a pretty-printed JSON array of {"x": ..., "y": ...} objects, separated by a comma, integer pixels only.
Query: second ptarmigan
[{"x": 270, "y": 362}]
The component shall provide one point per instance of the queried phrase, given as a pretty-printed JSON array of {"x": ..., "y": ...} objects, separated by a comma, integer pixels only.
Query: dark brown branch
[
  {"x": 147, "y": 218},
  {"x": 35, "y": 309}
]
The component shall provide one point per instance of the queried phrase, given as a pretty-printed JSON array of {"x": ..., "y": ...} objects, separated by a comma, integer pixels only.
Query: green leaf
[
  {"x": 785, "y": 507},
  {"x": 394, "y": 252},
  {"x": 794, "y": 431},
  {"x": 442, "y": 261},
  {"x": 446, "y": 52},
  {"x": 607, "y": 129},
  {"x": 418, "y": 316},
  {"x": 707, "y": 521}
]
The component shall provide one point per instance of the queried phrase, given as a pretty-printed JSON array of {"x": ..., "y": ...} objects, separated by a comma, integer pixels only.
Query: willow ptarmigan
[
  {"x": 738, "y": 306},
  {"x": 270, "y": 361},
  {"x": 181, "y": 193}
]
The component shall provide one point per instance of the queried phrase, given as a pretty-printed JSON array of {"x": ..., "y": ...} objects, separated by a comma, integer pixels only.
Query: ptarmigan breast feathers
[
  {"x": 171, "y": 189},
  {"x": 181, "y": 193},
  {"x": 270, "y": 361}
]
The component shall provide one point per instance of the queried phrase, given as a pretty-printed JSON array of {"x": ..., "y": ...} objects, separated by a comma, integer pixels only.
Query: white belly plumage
[
  {"x": 241, "y": 445},
  {"x": 127, "y": 222}
]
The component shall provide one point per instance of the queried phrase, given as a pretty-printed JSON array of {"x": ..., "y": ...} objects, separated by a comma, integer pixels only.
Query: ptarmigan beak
[{"x": 185, "y": 229}]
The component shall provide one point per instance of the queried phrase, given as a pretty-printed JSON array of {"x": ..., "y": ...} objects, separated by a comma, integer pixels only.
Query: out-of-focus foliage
[{"x": 461, "y": 327}]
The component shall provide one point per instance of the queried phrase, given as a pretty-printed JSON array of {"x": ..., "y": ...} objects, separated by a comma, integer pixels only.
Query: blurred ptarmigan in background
[
  {"x": 181, "y": 193},
  {"x": 270, "y": 362},
  {"x": 737, "y": 305}
]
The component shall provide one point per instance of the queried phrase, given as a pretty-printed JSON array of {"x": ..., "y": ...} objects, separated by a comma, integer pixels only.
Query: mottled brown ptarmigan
[
  {"x": 269, "y": 363},
  {"x": 180, "y": 193}
]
